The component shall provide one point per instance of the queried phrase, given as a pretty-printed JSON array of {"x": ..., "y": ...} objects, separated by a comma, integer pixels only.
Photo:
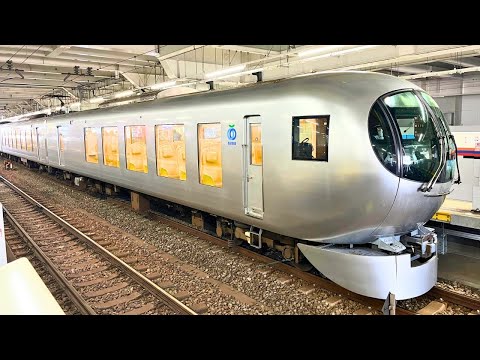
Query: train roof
[{"x": 368, "y": 80}]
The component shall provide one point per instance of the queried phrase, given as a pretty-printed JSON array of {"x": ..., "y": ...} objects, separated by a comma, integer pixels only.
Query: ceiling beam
[
  {"x": 249, "y": 49},
  {"x": 130, "y": 80},
  {"x": 87, "y": 62},
  {"x": 410, "y": 59},
  {"x": 442, "y": 73},
  {"x": 465, "y": 62},
  {"x": 170, "y": 51},
  {"x": 69, "y": 93},
  {"x": 58, "y": 50},
  {"x": 170, "y": 67}
]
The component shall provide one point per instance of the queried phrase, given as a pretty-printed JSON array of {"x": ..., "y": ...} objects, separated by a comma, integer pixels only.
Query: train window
[
  {"x": 450, "y": 168},
  {"x": 91, "y": 145},
  {"x": 210, "y": 154},
  {"x": 34, "y": 139},
  {"x": 111, "y": 156},
  {"x": 17, "y": 139},
  {"x": 381, "y": 138},
  {"x": 61, "y": 145},
  {"x": 29, "y": 139},
  {"x": 256, "y": 155},
  {"x": 421, "y": 147},
  {"x": 136, "y": 148},
  {"x": 310, "y": 137},
  {"x": 170, "y": 148},
  {"x": 22, "y": 139}
]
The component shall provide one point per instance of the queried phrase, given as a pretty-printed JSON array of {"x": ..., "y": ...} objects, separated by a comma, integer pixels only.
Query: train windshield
[
  {"x": 451, "y": 166},
  {"x": 419, "y": 137}
]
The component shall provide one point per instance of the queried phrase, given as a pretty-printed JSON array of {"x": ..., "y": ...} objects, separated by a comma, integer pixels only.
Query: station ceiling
[{"x": 36, "y": 77}]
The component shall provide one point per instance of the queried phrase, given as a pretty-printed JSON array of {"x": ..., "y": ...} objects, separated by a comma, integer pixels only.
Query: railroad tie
[
  {"x": 434, "y": 307},
  {"x": 96, "y": 281},
  {"x": 332, "y": 301},
  {"x": 115, "y": 302},
  {"x": 140, "y": 310},
  {"x": 90, "y": 272},
  {"x": 104, "y": 291},
  {"x": 364, "y": 311}
]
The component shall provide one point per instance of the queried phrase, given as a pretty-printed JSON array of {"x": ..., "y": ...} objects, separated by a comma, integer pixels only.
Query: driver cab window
[
  {"x": 310, "y": 137},
  {"x": 381, "y": 138}
]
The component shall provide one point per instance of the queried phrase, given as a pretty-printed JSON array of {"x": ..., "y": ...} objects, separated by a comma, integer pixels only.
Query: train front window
[
  {"x": 421, "y": 147},
  {"x": 382, "y": 139},
  {"x": 451, "y": 166}
]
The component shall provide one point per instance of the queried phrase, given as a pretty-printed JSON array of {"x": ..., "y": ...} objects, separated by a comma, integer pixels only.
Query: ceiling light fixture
[
  {"x": 314, "y": 51},
  {"x": 343, "y": 52},
  {"x": 233, "y": 69},
  {"x": 248, "y": 72},
  {"x": 123, "y": 94},
  {"x": 163, "y": 85}
]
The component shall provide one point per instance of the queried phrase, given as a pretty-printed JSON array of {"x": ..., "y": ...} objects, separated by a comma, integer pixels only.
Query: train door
[
  {"x": 253, "y": 170},
  {"x": 61, "y": 146}
]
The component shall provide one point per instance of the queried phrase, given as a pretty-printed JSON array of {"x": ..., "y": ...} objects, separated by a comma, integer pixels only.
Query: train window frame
[
  {"x": 157, "y": 129},
  {"x": 393, "y": 132},
  {"x": 126, "y": 147},
  {"x": 199, "y": 154},
  {"x": 296, "y": 123},
  {"x": 94, "y": 130},
  {"x": 253, "y": 159},
  {"x": 104, "y": 152}
]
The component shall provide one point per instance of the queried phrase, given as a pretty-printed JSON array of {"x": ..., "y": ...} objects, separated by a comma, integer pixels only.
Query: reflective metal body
[
  {"x": 350, "y": 199},
  {"x": 372, "y": 273}
]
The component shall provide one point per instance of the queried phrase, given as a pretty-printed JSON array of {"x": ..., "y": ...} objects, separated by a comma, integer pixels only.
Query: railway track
[
  {"x": 94, "y": 279},
  {"x": 436, "y": 293},
  {"x": 17, "y": 247},
  {"x": 436, "y": 296}
]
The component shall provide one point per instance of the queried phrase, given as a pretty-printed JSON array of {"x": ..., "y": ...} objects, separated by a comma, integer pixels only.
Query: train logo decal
[{"x": 232, "y": 135}]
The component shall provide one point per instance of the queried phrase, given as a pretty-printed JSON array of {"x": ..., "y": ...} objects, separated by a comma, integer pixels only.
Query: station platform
[
  {"x": 23, "y": 292},
  {"x": 458, "y": 212},
  {"x": 461, "y": 261}
]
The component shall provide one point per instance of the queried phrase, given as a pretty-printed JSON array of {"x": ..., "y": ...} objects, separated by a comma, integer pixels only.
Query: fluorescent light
[
  {"x": 163, "y": 85},
  {"x": 123, "y": 94},
  {"x": 342, "y": 52},
  {"x": 125, "y": 102},
  {"x": 318, "y": 50},
  {"x": 229, "y": 70},
  {"x": 251, "y": 71},
  {"x": 96, "y": 100}
]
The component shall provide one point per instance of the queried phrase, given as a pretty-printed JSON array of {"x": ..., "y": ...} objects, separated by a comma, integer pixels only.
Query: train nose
[{"x": 411, "y": 207}]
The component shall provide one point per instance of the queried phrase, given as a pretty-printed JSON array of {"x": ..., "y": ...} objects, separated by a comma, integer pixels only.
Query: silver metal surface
[
  {"x": 348, "y": 199},
  {"x": 372, "y": 273}
]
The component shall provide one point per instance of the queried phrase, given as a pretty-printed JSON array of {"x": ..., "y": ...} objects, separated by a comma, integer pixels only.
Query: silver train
[{"x": 343, "y": 168}]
